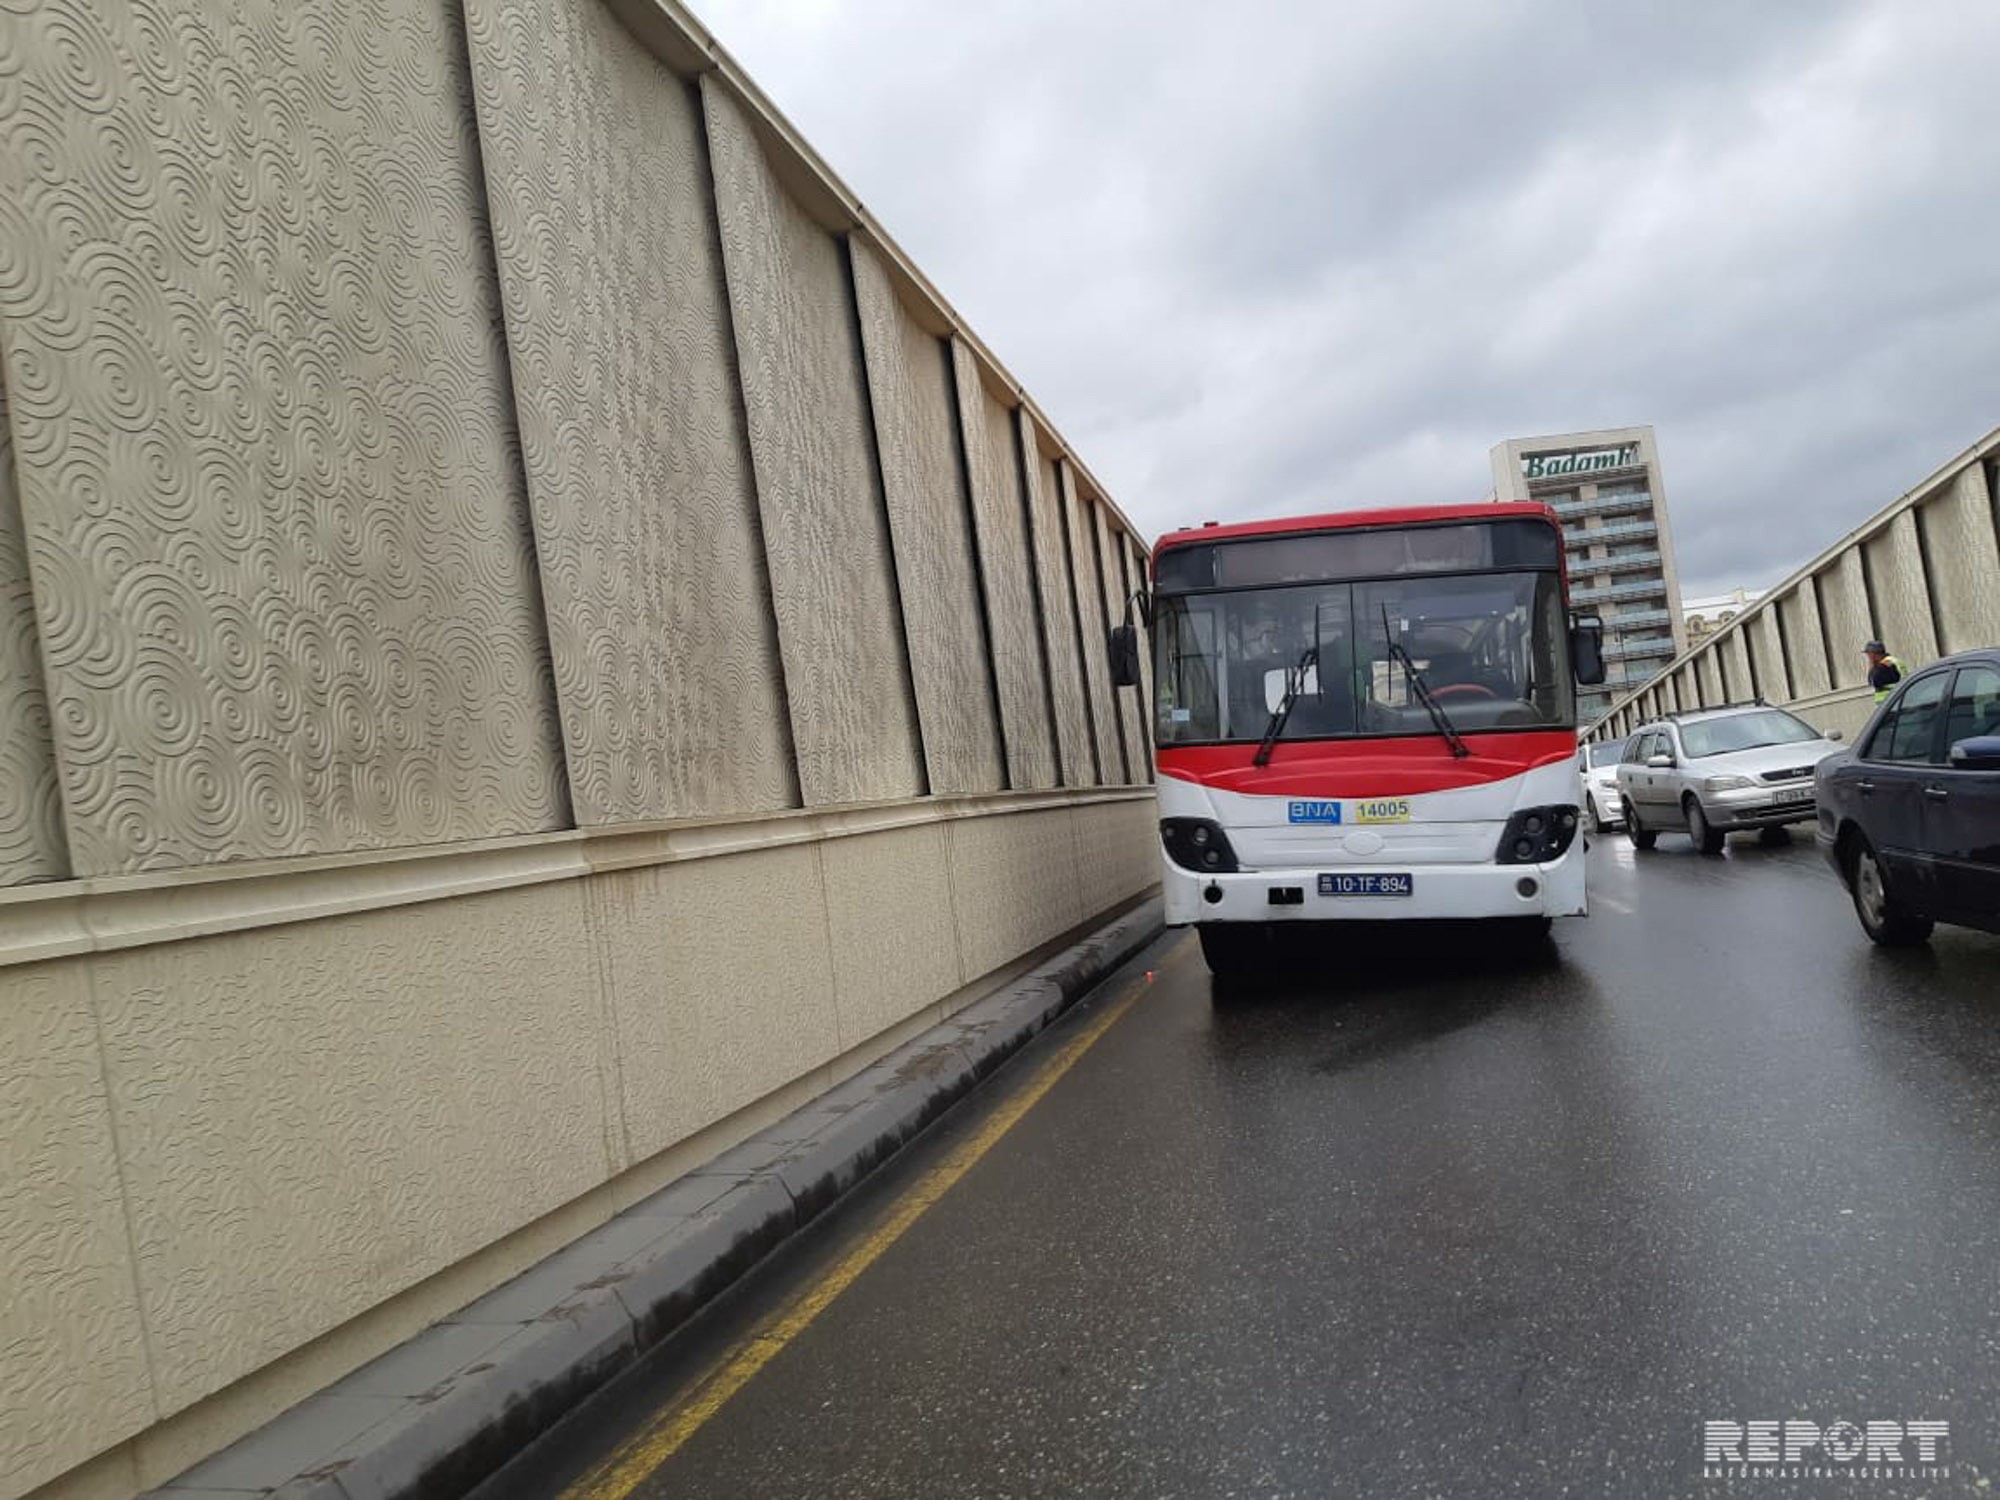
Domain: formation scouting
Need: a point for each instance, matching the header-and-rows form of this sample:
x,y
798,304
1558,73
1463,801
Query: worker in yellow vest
x,y
1884,671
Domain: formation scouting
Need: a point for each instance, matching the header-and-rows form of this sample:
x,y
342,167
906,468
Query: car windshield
x,y
1491,647
1750,731
1606,754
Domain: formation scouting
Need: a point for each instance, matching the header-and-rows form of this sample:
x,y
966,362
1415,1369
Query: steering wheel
x,y
1471,688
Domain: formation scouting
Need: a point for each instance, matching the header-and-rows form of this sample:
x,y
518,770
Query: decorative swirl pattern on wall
x,y
31,836
911,387
1058,618
1126,710
659,610
1079,515
1140,707
282,561
1001,524
853,722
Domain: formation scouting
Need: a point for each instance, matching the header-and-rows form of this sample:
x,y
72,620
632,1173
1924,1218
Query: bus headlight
x,y
1535,835
1198,844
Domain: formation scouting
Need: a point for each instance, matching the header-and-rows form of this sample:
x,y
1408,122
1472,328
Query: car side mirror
x,y
1836,735
1659,762
1124,656
1980,753
1586,649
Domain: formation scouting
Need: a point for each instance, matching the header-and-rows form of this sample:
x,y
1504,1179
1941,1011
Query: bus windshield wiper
x,y
1423,691
1308,661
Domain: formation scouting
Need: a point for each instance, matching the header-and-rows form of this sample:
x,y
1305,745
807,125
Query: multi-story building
x,y
1608,489
1706,616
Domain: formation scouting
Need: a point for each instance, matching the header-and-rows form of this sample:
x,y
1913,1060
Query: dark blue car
x,y
1910,816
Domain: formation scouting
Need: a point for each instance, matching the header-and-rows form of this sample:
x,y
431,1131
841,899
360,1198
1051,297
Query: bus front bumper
x,y
1439,892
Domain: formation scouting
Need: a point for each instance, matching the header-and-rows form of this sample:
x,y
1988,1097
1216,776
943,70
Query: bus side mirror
x,y
1124,656
1586,649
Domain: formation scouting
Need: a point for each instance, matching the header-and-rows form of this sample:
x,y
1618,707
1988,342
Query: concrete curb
x,y
432,1418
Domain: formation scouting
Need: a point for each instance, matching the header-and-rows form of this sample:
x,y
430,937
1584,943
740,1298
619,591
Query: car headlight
x,y
1727,783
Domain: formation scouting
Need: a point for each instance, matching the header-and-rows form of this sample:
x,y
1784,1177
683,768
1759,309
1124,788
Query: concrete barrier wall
x,y
1923,576
531,642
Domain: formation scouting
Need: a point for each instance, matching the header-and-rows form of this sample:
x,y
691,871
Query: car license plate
x,y
1367,885
1793,794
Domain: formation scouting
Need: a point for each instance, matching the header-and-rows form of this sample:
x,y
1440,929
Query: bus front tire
x,y
1232,950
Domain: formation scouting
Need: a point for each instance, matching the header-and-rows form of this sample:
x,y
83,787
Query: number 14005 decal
x,y
1383,810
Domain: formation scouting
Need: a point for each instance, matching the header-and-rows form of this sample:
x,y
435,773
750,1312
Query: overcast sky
x,y
1267,257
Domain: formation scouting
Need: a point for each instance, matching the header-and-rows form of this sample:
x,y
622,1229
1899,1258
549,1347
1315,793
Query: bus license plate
x,y
1367,885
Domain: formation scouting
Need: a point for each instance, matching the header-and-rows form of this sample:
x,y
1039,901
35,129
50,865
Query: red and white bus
x,y
1365,715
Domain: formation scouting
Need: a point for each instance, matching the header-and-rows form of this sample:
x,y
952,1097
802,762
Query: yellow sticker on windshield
x,y
1383,810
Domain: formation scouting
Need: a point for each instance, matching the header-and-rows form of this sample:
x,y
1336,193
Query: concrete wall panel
x,y
1117,847
1138,577
72,1344
1734,654
659,610
1015,884
1124,702
1007,567
883,974
31,833
917,434
1089,582
1710,691
1965,562
283,570
1805,641
826,536
1843,597
1772,678
1902,595
1058,612
314,1117
707,1022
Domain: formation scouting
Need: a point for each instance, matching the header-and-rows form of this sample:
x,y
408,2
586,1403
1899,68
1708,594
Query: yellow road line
x,y
635,1460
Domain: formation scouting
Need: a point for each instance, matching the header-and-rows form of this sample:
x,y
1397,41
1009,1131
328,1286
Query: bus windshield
x,y
1491,647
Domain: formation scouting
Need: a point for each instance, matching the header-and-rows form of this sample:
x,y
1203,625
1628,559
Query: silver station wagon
x,y
1713,771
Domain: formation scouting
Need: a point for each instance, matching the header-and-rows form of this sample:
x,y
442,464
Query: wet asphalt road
x,y
1430,1225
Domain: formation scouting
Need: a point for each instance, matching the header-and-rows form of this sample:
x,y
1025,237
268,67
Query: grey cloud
x,y
1292,256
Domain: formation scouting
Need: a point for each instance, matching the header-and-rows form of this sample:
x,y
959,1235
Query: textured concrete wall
x,y
1734,654
659,608
511,587
1843,602
223,1147
284,577
1089,581
1923,575
31,836
1964,560
825,525
993,466
1902,609
916,422
1805,638
1774,679
1058,611
1117,593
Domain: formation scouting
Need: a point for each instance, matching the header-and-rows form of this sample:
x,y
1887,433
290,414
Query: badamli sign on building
x,y
1549,465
